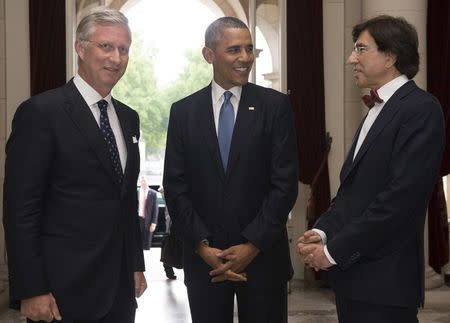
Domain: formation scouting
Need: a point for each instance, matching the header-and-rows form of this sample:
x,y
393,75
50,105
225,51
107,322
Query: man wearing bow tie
x,y
230,180
71,218
371,238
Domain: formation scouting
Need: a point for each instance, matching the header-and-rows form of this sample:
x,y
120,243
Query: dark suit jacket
x,y
375,224
248,202
69,225
150,217
151,209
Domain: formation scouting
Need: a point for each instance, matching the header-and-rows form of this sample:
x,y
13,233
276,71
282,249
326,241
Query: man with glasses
x,y
230,180
71,216
371,238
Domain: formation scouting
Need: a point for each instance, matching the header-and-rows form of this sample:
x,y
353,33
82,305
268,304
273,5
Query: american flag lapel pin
x,y
251,108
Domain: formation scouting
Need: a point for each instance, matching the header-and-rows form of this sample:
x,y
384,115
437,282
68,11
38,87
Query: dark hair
x,y
215,30
396,36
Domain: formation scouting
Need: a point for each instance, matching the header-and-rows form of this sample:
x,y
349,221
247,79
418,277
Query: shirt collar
x,y
88,93
387,90
217,92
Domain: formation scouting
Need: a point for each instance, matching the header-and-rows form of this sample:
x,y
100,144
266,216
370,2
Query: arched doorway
x,y
167,42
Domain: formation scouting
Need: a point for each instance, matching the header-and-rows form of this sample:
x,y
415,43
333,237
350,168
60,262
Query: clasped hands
x,y
228,264
311,249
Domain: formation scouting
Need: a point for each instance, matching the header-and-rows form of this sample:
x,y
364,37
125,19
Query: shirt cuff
x,y
322,234
327,254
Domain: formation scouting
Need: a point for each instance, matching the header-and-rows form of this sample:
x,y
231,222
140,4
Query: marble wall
x,y
14,88
3,122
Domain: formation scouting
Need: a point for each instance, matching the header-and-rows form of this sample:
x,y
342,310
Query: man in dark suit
x,y
371,237
229,186
148,212
70,202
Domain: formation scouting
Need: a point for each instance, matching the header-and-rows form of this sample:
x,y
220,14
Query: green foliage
x,y
196,75
138,88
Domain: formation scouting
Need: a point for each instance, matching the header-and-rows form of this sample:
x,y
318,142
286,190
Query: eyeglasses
x,y
108,48
360,49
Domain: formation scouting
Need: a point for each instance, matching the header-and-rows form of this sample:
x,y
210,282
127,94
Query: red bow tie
x,y
371,99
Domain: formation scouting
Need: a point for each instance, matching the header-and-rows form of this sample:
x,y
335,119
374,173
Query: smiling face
x,y
103,59
371,67
232,57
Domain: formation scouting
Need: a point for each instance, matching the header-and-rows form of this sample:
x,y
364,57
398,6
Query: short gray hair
x,y
215,30
101,16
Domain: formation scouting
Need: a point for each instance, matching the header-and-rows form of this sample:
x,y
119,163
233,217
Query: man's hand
x,y
311,249
152,227
210,256
237,258
40,308
314,256
230,275
309,236
140,284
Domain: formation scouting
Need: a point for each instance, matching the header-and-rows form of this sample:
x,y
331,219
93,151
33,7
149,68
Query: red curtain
x,y
438,83
47,44
306,89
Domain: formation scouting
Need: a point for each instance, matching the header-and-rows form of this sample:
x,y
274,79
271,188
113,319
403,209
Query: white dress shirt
x,y
218,98
143,193
91,97
385,92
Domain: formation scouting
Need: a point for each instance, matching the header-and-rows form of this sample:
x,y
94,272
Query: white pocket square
x,y
135,141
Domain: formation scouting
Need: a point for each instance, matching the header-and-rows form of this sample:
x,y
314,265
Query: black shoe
x,y
170,274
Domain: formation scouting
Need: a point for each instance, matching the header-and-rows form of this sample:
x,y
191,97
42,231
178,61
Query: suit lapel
x,y
384,118
82,116
349,159
208,127
242,128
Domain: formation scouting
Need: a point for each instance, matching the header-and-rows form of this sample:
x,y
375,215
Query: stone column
x,y
354,110
296,225
3,273
252,27
14,88
334,55
71,62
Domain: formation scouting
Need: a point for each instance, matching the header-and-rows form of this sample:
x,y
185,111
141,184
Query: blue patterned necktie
x,y
108,134
226,124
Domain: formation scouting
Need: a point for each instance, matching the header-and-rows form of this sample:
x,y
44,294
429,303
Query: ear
x,y
80,49
391,59
208,54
